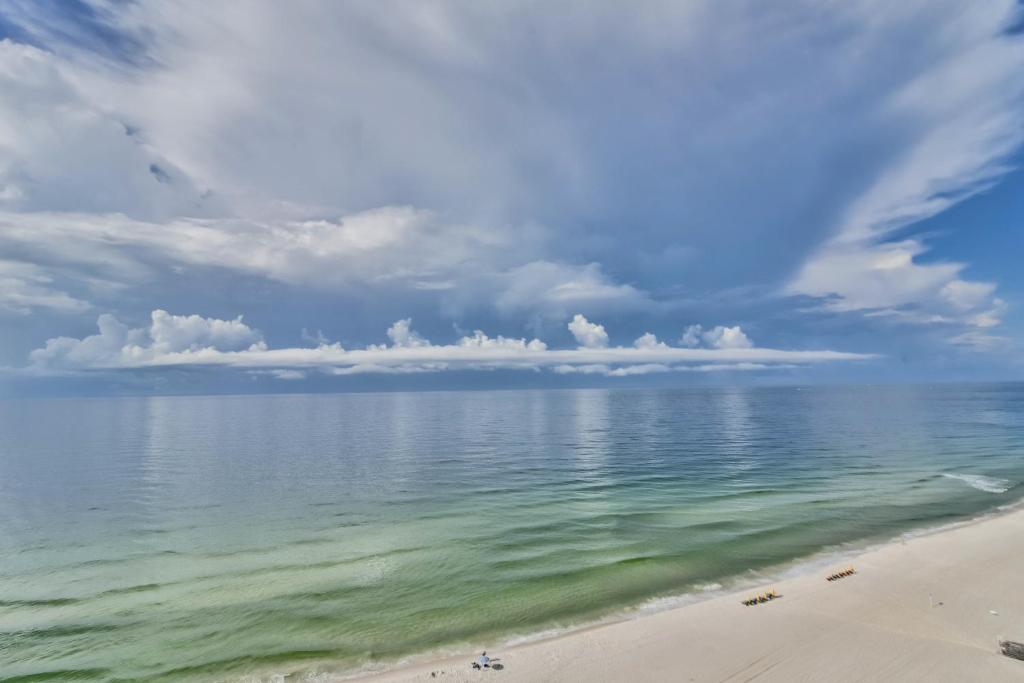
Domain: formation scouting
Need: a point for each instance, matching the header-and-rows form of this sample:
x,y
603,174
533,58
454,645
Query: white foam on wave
x,y
696,594
981,482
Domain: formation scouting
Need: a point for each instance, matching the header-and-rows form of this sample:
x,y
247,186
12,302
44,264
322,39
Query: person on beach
x,y
483,661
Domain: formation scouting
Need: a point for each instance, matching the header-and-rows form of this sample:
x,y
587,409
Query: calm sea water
x,y
215,538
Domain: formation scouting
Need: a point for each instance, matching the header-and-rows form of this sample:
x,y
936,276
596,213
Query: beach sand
x,y
876,625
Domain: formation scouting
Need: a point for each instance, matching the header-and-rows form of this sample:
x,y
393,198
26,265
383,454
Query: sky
x,y
311,196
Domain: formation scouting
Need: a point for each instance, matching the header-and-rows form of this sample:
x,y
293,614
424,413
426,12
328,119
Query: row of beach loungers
x,y
849,571
763,597
772,594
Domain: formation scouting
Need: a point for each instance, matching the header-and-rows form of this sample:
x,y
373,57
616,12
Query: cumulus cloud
x,y
728,338
175,333
588,335
118,346
401,335
480,340
192,340
105,348
648,341
718,337
692,336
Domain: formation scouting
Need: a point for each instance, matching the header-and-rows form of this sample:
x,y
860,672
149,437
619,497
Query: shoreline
x,y
641,641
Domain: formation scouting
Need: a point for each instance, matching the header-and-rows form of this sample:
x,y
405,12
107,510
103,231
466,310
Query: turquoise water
x,y
215,538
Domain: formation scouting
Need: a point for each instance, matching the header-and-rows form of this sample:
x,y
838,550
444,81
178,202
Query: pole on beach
x,y
931,603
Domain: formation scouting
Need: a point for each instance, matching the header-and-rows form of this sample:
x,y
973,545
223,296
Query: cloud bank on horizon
x,y
318,166
179,340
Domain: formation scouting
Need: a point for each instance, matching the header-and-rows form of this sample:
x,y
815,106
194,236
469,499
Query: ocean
x,y
235,538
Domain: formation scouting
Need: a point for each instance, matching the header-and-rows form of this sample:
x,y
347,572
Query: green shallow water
x,y
230,538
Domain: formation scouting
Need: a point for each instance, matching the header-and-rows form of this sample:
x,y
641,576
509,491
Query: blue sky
x,y
324,196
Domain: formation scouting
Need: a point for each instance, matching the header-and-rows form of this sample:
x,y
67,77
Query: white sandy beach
x,y
876,625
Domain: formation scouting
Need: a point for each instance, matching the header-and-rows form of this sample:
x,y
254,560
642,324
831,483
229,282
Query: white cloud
x,y
24,287
640,369
289,374
507,188
967,106
318,338
692,336
648,341
885,281
990,317
395,244
378,369
556,289
481,341
97,350
282,374
979,340
967,113
652,368
728,338
61,149
588,369
718,337
172,340
175,333
402,335
965,296
873,276
388,247
588,335
118,346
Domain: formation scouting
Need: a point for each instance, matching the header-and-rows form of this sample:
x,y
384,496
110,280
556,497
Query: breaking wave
x,y
982,483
